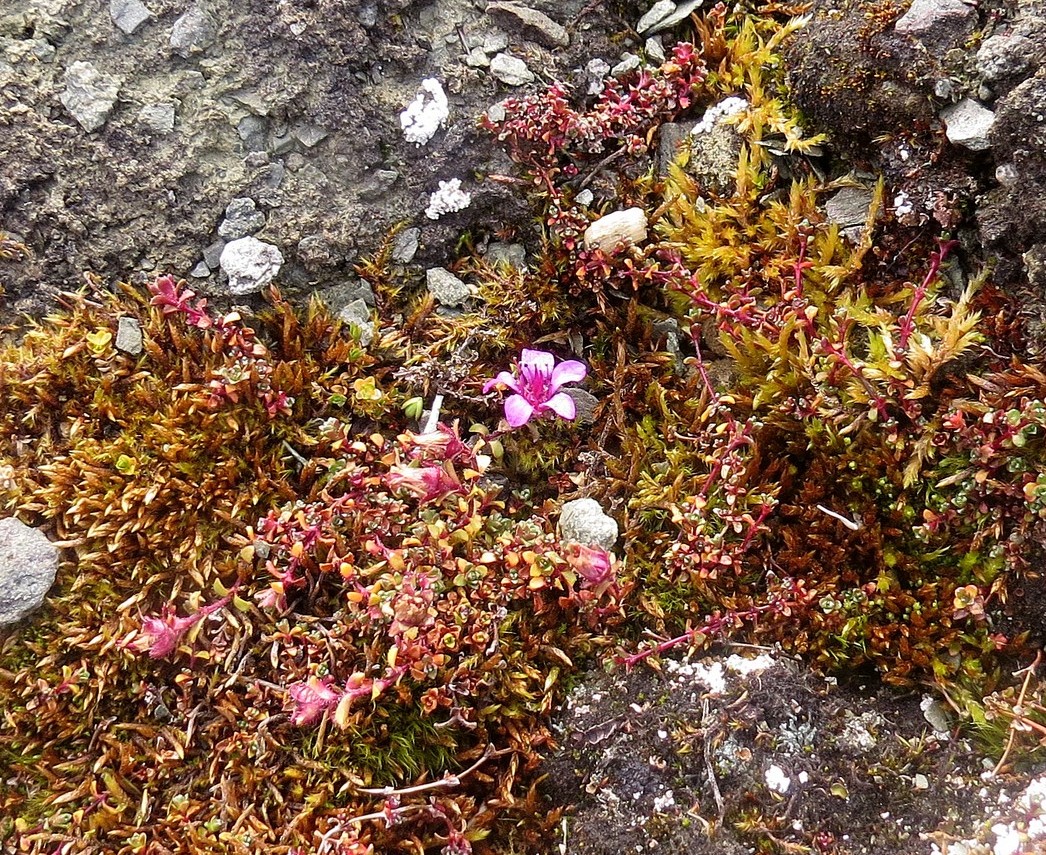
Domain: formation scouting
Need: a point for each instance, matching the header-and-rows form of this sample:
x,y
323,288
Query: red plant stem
x,y
906,329
714,624
753,529
800,265
840,356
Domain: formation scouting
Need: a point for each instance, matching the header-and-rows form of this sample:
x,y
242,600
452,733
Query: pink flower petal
x,y
505,379
537,360
518,410
570,371
562,405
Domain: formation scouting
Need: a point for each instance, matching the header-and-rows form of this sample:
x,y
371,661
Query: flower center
x,y
537,382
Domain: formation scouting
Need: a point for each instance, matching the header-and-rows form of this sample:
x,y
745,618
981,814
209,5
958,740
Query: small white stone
x,y
250,264
583,521
619,229
777,780
511,70
968,124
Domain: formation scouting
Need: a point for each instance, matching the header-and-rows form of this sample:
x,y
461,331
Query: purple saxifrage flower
x,y
537,387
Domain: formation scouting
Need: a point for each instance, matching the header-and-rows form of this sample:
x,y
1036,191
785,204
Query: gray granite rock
x,y
357,315
405,246
446,287
583,521
129,336
656,14
337,297
28,564
128,15
849,207
510,70
531,23
1005,56
655,50
242,218
250,264
681,13
193,32
629,62
89,95
968,124
212,255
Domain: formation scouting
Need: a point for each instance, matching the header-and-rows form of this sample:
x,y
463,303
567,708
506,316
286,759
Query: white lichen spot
x,y
426,114
777,780
662,804
449,198
723,110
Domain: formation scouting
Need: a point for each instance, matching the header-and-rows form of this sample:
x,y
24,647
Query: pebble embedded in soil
x,y
89,95
447,288
250,264
968,124
129,15
511,70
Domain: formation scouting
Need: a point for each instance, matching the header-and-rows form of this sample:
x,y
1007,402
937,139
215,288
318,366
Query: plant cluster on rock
x,y
295,620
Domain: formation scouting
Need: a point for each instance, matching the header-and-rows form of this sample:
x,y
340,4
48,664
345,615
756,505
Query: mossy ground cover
x,y
291,620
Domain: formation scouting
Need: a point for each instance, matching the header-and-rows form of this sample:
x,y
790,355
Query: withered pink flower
x,y
592,564
428,483
311,699
537,387
440,444
161,635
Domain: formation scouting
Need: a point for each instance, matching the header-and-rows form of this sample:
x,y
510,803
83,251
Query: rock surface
x,y
968,124
511,70
28,564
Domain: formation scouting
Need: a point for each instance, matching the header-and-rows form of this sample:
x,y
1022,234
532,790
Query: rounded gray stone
x,y
28,564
